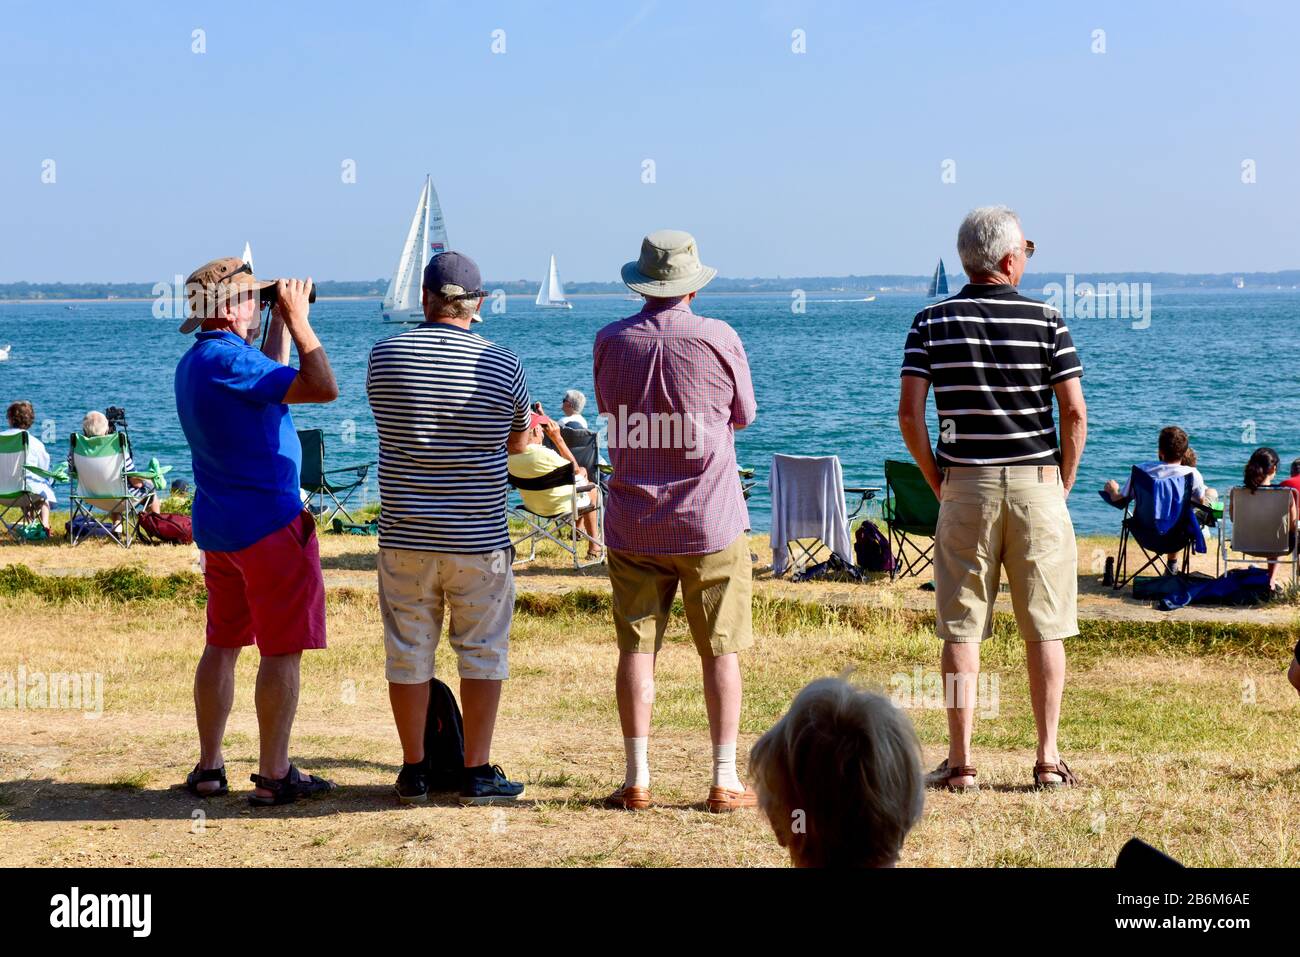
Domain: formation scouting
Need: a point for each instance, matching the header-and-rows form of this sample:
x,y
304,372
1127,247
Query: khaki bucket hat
x,y
669,266
215,282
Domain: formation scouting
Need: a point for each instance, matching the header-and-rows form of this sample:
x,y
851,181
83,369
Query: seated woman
x,y
96,423
538,461
21,417
1174,457
1260,472
839,777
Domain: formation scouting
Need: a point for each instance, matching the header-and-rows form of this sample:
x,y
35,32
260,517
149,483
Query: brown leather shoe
x,y
629,798
722,800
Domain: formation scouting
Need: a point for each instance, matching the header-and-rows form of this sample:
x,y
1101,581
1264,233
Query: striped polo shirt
x,y
444,401
992,357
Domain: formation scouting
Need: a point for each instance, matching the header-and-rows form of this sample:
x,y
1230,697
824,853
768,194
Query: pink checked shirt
x,y
672,388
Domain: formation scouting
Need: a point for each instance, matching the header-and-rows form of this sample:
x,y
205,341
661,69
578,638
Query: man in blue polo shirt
x,y
261,563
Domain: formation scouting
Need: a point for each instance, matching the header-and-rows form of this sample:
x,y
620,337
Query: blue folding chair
x,y
1160,516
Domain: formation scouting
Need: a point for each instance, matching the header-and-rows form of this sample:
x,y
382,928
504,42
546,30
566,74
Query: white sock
x,y
724,767
637,751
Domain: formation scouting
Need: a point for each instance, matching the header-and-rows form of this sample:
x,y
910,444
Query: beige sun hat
x,y
669,266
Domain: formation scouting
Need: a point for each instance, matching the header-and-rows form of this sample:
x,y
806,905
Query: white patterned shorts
x,y
478,590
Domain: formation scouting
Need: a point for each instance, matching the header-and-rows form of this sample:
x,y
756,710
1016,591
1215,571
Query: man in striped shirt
x,y
448,405
995,360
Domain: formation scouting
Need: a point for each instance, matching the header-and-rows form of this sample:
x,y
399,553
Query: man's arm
x,y
552,431
1074,427
276,346
911,421
744,407
315,380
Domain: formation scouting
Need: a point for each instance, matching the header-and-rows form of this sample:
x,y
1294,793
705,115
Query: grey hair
x,y
576,399
94,423
846,763
987,236
446,307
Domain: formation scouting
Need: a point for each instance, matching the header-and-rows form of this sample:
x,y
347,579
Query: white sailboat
x,y
551,293
425,239
248,255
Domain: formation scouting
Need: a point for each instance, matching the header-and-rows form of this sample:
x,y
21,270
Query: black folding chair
x,y
555,527
330,488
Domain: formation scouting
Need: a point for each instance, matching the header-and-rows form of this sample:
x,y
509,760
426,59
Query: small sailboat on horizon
x,y
551,293
938,282
426,237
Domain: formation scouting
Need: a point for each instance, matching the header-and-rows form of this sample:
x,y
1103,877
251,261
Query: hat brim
x,y
193,322
637,281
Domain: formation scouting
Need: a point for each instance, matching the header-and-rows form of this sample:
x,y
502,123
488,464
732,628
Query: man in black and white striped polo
x,y
996,359
448,405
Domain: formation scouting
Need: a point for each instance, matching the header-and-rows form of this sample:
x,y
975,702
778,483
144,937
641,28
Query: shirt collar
x,y
215,334
658,308
983,290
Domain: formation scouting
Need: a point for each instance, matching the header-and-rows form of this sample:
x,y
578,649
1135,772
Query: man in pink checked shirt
x,y
673,388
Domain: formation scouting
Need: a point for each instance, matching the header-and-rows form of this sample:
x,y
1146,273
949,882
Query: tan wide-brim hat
x,y
212,284
669,266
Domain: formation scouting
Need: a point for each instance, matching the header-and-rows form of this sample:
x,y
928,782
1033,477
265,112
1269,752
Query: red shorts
x,y
270,594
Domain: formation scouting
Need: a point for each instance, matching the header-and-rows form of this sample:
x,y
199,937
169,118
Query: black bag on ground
x,y
872,549
444,738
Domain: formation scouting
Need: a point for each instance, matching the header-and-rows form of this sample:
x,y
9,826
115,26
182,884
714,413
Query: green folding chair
x,y
20,507
331,489
102,502
910,512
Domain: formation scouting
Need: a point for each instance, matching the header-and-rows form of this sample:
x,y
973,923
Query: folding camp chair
x,y
1160,516
327,485
1261,527
100,484
551,526
808,512
20,507
910,511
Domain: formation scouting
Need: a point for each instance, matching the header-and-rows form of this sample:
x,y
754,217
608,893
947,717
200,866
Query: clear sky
x,y
821,163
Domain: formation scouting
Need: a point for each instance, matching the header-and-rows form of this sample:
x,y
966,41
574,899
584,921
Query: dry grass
x,y
1183,732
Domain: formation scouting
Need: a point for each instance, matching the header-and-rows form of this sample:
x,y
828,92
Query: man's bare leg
x,y
1046,661
277,704
960,663
479,698
410,705
214,695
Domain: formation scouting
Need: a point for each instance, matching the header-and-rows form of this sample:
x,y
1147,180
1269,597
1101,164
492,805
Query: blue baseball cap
x,y
454,269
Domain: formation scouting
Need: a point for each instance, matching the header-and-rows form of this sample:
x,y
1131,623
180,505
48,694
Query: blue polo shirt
x,y
243,446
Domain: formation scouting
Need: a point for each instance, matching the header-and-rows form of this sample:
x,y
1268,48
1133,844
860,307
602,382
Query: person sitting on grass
x,y
1260,472
839,777
1174,458
538,461
95,423
21,417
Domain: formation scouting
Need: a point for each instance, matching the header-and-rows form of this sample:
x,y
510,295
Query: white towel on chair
x,y
807,502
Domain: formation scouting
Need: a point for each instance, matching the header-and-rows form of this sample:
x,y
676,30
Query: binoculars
x,y
271,295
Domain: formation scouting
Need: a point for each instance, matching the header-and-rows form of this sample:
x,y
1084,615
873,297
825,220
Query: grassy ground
x,y
1182,729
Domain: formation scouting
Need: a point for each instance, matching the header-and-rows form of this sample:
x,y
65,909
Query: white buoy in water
x,y
4,352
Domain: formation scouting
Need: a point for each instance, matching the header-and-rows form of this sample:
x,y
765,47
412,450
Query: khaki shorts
x,y
716,591
1010,519
415,585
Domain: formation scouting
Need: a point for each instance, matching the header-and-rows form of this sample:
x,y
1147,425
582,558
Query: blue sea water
x,y
1220,363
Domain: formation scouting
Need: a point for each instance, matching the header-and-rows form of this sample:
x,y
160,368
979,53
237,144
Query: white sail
x,y
248,255
426,237
551,292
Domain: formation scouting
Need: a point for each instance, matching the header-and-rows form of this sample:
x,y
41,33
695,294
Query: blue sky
x,y
822,163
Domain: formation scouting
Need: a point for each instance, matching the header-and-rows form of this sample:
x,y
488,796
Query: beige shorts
x,y
479,590
1013,520
717,592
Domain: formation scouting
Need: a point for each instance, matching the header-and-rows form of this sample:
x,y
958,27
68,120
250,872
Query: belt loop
x,y
1040,475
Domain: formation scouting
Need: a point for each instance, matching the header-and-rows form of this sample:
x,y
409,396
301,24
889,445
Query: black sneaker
x,y
412,785
488,785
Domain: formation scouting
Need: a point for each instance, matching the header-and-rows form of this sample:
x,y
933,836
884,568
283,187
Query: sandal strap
x,y
203,775
1058,767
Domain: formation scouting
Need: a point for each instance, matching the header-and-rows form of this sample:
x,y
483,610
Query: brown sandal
x,y
1068,780
941,777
